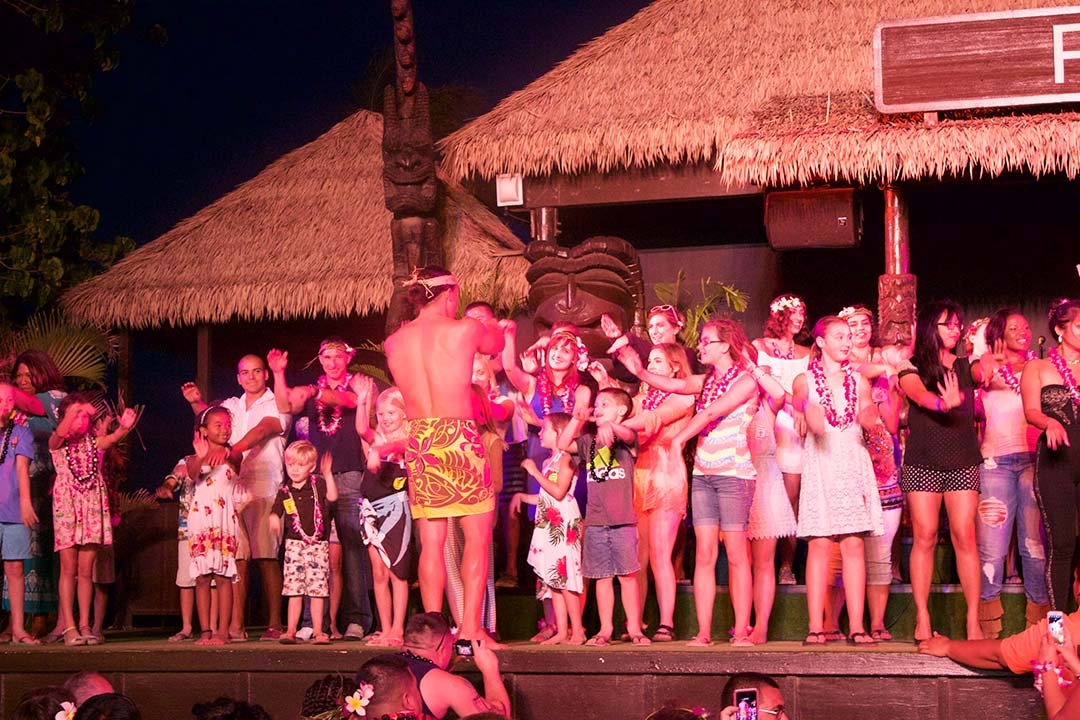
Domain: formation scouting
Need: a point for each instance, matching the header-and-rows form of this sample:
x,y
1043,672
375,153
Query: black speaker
x,y
803,219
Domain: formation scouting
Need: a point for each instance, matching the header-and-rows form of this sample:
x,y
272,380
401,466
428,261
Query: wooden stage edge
x,y
620,681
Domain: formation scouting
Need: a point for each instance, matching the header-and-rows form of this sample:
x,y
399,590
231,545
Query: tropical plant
x,y
81,352
716,298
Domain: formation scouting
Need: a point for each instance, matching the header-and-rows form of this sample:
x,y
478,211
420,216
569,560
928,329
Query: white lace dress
x,y
839,494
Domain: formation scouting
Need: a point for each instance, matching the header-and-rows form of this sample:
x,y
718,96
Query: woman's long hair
x,y
928,345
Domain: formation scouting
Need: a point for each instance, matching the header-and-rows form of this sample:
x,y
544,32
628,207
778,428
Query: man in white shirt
x,y
258,431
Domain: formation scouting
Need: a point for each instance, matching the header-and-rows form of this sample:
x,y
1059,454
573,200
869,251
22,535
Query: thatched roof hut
x,y
768,92
307,236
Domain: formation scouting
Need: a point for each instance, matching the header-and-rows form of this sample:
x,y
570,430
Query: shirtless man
x,y
431,359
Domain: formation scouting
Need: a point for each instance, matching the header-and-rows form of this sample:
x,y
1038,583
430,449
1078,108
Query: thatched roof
x,y
771,92
307,236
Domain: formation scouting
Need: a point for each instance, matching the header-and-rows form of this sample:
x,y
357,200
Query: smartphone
x,y
1055,623
746,704
463,648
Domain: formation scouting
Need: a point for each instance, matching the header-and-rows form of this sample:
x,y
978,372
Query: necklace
x,y
1062,366
1011,379
6,442
711,389
82,459
596,462
298,527
654,398
329,422
825,392
565,392
414,656
789,355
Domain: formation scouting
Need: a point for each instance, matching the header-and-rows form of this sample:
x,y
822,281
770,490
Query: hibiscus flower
x,y
553,516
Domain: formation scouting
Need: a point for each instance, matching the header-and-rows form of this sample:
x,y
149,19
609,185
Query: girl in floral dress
x,y
81,520
555,551
212,523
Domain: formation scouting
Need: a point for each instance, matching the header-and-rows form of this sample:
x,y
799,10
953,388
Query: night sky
x,y
239,83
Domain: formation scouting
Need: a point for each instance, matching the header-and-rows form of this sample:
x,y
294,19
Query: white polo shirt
x,y
262,467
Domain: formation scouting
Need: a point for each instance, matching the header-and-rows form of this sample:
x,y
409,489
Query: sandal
x,y
88,636
815,638
71,637
546,633
598,641
25,640
860,638
180,637
835,636
664,633
881,635
321,639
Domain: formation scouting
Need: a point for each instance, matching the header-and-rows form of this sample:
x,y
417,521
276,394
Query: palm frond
x,y
81,352
715,298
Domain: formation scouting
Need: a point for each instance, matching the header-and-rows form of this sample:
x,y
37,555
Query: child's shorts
x,y
610,551
307,568
183,565
14,541
722,500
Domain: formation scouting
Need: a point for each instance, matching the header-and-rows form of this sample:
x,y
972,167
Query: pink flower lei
x,y
712,388
298,527
654,398
1009,377
851,394
329,422
1066,374
565,392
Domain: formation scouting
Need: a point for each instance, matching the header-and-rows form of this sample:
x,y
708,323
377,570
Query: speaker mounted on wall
x,y
803,219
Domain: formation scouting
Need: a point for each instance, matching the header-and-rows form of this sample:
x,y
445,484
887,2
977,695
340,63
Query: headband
x,y
429,283
850,311
337,345
784,302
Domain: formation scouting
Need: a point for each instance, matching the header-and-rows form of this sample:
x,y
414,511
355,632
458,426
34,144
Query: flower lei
x,y
789,355
564,392
356,704
851,396
298,527
66,712
82,459
1062,367
712,388
1009,377
6,442
329,423
1040,668
654,398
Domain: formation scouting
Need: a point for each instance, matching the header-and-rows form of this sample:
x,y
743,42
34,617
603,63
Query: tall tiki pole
x,y
408,167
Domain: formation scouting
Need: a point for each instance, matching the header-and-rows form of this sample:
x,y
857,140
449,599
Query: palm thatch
x,y
770,92
307,236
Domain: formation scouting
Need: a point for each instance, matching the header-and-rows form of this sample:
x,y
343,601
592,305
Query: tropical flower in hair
x,y
356,704
784,302
67,711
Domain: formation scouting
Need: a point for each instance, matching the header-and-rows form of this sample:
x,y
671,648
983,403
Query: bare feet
x,y
699,641
209,638
923,629
557,639
759,636
577,638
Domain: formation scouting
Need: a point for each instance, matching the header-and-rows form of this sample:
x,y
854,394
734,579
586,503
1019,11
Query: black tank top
x,y
1058,403
945,441
421,667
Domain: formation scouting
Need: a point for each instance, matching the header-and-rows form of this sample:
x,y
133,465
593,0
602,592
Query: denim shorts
x,y
609,551
722,500
14,541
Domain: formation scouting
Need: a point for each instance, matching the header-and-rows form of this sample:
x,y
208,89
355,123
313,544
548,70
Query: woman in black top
x,y
941,461
1049,389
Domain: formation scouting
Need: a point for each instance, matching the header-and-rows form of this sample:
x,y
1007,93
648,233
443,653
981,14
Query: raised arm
x,y
124,424
648,423
193,396
913,388
287,401
682,386
326,467
27,403
740,392
364,387
520,379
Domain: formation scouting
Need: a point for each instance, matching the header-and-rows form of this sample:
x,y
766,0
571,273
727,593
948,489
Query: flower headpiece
x,y
579,348
356,704
429,283
784,302
66,712
334,344
1055,306
851,311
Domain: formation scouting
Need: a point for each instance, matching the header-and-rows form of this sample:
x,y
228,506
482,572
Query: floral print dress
x,y
80,499
555,550
212,524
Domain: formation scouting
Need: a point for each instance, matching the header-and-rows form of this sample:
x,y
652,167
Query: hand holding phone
x,y
1055,626
746,704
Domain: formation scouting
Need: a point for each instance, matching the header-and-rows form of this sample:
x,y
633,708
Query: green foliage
x,y
716,298
47,241
80,352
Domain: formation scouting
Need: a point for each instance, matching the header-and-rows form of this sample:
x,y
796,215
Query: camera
x,y
463,648
1055,624
746,704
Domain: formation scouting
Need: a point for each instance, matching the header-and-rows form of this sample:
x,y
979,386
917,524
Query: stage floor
x,y
836,682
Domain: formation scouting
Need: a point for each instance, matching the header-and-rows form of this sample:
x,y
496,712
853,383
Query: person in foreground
x,y
770,701
428,650
431,359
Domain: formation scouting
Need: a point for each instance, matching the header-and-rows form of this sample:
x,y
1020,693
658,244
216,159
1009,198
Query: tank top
x,y
944,441
1057,403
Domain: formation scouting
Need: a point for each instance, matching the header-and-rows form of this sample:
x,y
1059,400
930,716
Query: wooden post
x,y
896,288
202,361
544,223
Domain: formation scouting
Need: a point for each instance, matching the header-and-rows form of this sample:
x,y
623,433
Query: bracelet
x,y
940,405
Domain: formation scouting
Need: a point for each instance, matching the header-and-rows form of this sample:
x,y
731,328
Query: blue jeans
x,y
1007,498
355,564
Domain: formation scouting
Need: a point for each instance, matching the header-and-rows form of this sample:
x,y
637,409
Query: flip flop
x,y
321,639
25,640
835,636
180,637
239,637
860,638
598,641
815,638
288,640
664,633
881,635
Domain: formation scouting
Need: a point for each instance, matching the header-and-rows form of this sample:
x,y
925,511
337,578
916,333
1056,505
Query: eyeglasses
x,y
703,343
777,713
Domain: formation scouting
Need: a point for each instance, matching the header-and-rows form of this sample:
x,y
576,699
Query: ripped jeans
x,y
1007,498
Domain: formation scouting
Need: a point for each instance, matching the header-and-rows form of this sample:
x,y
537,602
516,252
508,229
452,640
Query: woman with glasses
x,y
786,359
942,458
722,487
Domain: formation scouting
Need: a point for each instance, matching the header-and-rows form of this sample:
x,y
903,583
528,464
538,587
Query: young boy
x,y
17,515
610,549
305,502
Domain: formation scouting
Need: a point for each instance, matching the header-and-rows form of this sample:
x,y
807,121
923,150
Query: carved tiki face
x,y
408,154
